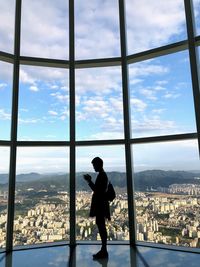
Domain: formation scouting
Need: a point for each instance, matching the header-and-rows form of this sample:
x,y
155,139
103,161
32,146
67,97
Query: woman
x,y
99,205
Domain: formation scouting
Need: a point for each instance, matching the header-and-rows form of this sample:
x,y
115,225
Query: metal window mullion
x,y
127,124
194,62
13,147
72,125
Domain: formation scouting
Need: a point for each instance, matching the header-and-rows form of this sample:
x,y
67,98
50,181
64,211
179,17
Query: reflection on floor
x,y
81,256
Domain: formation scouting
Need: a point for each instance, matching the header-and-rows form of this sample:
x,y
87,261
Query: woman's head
x,y
97,164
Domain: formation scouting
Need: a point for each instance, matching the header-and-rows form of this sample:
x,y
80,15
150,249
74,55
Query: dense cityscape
x,y
166,215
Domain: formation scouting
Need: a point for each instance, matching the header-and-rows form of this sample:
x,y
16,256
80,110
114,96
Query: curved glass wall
x,y
43,104
4,176
46,35
6,73
114,165
153,25
7,17
116,79
161,96
41,195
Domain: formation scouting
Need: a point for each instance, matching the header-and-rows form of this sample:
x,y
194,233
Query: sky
x,y
160,89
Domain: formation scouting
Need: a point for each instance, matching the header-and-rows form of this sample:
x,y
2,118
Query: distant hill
x,y
142,180
156,178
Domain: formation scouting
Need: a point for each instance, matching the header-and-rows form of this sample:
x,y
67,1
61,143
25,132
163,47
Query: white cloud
x,y
106,112
25,77
106,135
3,85
29,121
134,81
52,77
100,108
154,24
63,118
53,113
158,111
159,88
144,69
45,36
97,26
138,104
196,4
99,81
116,104
4,115
60,97
64,114
34,88
6,72
152,125
7,14
161,82
23,109
54,86
42,159
80,116
97,29
171,95
149,94
64,88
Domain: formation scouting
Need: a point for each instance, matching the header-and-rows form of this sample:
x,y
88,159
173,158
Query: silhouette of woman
x,y
99,204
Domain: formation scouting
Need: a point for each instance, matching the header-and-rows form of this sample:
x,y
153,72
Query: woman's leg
x,y
100,221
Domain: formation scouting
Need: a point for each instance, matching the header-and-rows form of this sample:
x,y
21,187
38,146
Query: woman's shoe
x,y
101,254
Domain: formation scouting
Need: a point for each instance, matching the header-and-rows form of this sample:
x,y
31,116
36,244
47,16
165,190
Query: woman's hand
x,y
87,177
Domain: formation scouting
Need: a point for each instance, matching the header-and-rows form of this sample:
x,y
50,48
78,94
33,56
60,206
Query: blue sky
x,y
160,89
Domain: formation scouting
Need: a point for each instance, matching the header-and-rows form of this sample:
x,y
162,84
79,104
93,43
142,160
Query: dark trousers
x,y
101,224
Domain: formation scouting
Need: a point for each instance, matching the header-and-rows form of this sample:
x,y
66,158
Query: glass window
x,y
7,18
43,104
161,96
4,172
96,29
196,4
6,70
99,108
153,24
45,29
42,195
167,189
114,166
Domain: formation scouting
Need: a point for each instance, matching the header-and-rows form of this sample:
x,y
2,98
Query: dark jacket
x,y
99,204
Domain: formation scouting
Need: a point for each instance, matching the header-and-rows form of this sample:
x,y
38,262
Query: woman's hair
x,y
98,161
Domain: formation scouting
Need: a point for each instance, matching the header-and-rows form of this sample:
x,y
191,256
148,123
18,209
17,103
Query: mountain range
x,y
142,180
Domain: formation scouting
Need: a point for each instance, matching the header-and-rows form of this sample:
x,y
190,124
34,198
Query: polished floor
x,y
81,256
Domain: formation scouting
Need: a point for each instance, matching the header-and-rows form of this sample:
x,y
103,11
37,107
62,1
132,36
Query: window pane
x,y
45,30
43,104
161,96
99,108
167,190
154,23
4,172
196,4
42,195
7,18
96,29
6,70
114,166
